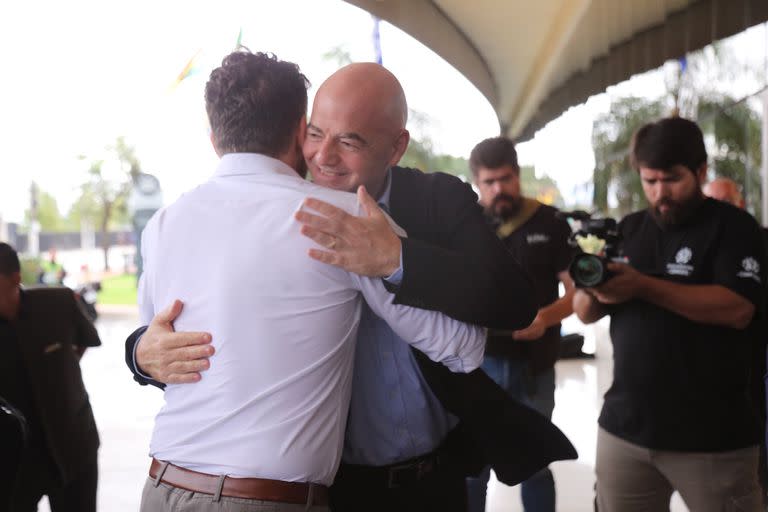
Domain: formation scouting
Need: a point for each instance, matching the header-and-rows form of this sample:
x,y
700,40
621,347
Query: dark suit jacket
x,y
455,264
12,438
452,262
49,325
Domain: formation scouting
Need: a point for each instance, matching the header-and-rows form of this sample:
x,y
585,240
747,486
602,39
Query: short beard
x,y
679,212
505,207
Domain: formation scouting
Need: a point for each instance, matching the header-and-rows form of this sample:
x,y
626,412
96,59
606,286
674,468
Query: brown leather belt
x,y
248,488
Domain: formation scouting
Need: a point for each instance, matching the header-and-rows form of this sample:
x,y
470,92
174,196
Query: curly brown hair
x,y
493,153
254,103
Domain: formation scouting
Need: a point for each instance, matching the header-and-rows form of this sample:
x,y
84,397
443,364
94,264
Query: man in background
x,y
43,335
680,313
725,189
523,361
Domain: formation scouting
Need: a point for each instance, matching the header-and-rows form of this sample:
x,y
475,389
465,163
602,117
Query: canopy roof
x,y
534,59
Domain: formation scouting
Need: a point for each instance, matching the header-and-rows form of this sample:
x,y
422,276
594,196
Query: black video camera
x,y
599,242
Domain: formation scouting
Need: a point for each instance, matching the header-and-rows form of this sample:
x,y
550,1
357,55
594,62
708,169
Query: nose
x,y
660,191
496,188
326,153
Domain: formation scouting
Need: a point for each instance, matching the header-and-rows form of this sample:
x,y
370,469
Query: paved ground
x,y
125,413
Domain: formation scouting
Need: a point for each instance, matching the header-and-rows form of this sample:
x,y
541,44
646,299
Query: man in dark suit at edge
x,y
43,334
414,431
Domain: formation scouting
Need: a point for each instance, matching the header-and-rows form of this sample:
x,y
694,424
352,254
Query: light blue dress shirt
x,y
393,414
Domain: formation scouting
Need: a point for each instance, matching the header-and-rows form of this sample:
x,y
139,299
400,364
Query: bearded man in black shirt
x,y
523,362
678,414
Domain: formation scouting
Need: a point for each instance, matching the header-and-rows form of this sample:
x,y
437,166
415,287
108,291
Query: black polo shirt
x,y
680,385
541,247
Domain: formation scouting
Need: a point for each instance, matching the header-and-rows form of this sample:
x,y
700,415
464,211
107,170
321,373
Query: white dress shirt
x,y
274,402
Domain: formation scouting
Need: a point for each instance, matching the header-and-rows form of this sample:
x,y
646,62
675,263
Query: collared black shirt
x,y
681,385
541,247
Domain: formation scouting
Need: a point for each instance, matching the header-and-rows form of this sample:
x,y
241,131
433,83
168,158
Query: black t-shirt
x,y
541,247
680,385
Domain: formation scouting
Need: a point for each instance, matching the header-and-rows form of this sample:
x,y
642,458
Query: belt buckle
x,y
420,469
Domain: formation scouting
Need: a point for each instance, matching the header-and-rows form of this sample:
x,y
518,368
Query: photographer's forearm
x,y
587,308
562,308
707,304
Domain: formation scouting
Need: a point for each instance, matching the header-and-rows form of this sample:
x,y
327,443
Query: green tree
x,y
48,215
733,128
103,196
338,54
737,153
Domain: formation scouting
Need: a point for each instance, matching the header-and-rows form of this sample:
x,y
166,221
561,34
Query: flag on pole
x,y
239,42
191,68
376,40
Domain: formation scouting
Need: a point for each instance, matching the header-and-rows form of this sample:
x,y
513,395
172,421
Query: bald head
x,y
370,89
724,189
357,128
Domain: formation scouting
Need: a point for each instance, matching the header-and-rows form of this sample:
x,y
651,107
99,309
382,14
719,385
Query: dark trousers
x,y
36,479
355,490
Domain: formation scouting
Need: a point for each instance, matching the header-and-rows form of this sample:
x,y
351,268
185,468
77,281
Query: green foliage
x,y
419,155
48,214
103,197
118,290
737,153
30,269
544,189
731,129
339,55
611,136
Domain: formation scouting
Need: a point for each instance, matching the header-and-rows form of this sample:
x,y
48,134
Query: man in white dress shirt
x,y
264,429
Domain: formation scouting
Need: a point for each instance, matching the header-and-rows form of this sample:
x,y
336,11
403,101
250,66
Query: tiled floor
x,y
125,413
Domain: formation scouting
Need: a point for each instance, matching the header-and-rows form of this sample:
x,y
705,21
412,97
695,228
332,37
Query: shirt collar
x,y
384,197
244,164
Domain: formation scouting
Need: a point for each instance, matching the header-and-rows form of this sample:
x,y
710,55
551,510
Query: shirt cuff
x,y
397,276
135,365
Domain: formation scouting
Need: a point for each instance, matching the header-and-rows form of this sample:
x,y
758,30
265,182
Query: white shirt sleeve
x,y
457,345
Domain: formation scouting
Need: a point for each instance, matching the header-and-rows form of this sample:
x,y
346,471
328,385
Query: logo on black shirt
x,y
751,269
681,266
537,238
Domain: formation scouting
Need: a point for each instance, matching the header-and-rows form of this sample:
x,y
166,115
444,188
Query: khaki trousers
x,y
631,478
166,498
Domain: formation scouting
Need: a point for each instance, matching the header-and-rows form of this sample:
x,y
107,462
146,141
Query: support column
x,y
764,160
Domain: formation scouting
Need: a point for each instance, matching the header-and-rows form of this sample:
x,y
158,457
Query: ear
x,y
401,144
213,143
16,278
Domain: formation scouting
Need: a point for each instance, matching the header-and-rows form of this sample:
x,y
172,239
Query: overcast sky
x,y
77,74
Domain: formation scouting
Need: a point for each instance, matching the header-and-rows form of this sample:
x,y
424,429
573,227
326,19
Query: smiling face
x,y
357,129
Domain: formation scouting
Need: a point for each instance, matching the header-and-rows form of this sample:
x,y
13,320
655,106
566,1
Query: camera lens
x,y
587,270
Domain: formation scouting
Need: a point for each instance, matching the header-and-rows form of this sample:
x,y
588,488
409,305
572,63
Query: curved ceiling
x,y
534,60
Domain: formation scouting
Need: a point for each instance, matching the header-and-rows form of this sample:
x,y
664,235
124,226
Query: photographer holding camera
x,y
678,414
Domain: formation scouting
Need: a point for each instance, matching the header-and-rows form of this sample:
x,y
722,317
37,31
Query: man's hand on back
x,y
173,357
364,245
